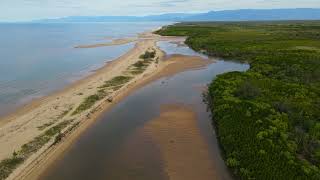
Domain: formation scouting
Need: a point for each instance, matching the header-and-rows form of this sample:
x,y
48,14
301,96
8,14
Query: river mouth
x,y
121,144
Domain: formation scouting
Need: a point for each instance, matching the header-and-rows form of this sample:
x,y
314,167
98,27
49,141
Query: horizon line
x,y
155,14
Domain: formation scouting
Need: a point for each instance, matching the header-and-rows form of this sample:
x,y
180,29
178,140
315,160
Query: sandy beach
x,y
40,116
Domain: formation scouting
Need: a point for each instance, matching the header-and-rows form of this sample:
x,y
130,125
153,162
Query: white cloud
x,y
15,10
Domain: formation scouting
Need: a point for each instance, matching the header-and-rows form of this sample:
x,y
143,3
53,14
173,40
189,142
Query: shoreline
x,y
34,103
165,67
114,42
47,160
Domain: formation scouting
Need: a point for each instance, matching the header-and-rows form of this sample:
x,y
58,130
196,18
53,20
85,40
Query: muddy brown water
x,y
112,149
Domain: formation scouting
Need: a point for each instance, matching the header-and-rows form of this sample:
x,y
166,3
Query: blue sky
x,y
21,10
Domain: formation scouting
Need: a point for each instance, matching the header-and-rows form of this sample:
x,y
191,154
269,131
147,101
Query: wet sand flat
x,y
183,149
139,158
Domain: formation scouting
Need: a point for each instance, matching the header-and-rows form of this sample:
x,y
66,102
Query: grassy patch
x,y
89,102
8,165
148,55
42,127
140,66
62,115
116,81
113,84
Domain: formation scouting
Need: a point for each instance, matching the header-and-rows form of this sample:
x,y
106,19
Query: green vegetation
x,y
140,66
44,126
116,81
114,84
8,165
268,118
148,55
89,102
62,115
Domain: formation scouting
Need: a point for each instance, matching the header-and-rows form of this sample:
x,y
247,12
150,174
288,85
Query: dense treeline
x,y
268,118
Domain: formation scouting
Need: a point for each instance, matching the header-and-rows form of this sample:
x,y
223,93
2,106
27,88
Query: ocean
x,y
37,59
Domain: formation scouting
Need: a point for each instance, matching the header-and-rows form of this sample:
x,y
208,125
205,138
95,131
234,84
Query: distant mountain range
x,y
226,15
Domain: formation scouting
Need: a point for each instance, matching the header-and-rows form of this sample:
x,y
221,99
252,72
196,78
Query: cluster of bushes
x,y
268,118
141,65
116,81
148,55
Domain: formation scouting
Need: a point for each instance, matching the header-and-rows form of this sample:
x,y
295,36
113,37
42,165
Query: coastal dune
x,y
62,109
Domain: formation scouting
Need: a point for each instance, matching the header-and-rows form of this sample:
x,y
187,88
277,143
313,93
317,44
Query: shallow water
x,y
102,152
37,59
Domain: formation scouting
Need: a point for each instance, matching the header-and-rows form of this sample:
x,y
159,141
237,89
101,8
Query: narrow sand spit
x,y
39,116
183,149
112,43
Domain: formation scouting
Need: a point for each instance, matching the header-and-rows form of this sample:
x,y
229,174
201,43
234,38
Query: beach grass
x,y
116,81
44,126
113,84
140,66
64,113
8,165
89,102
60,116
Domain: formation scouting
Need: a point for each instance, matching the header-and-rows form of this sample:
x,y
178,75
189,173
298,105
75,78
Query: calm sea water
x,y
37,59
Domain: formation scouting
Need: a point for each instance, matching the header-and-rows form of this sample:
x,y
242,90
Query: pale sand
x,y
21,127
112,43
183,149
144,36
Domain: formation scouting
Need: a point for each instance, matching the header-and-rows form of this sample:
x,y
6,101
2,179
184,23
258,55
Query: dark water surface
x,y
102,151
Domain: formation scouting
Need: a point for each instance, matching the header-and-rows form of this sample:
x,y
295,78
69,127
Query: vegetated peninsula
x,y
267,118
42,129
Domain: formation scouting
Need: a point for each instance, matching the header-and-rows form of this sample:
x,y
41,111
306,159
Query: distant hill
x,y
227,15
258,14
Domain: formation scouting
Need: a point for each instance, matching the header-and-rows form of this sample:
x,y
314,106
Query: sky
x,y
24,10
